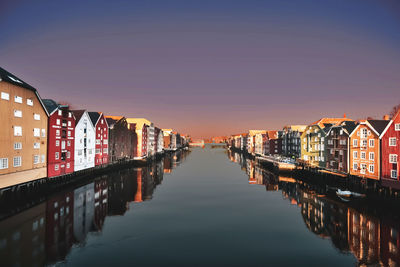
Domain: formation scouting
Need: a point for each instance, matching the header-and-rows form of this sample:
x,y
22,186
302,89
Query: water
x,y
201,208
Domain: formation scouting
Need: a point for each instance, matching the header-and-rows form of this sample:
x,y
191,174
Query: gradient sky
x,y
209,67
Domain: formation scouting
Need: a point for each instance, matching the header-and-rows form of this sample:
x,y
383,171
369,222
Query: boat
x,y
346,195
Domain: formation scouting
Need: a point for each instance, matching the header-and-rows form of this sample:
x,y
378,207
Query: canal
x,y
201,207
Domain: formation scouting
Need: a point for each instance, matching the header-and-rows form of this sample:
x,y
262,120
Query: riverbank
x,y
371,188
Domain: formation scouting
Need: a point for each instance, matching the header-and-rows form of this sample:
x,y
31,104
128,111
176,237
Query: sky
x,y
209,68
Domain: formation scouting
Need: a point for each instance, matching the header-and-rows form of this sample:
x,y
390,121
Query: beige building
x,y
23,132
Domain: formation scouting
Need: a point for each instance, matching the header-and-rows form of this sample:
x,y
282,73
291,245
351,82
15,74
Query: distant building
x,y
23,131
101,128
313,141
145,134
85,139
291,140
61,139
337,146
122,142
274,144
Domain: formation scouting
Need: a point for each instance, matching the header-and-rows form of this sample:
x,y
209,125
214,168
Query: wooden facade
x,y
23,131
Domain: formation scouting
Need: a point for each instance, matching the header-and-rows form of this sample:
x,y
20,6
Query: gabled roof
x,y
11,78
299,128
390,123
50,105
78,114
94,116
378,125
327,122
272,134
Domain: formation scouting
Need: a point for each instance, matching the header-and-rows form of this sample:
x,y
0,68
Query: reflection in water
x,y
44,233
373,239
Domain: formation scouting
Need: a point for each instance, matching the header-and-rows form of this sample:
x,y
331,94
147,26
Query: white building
x,y
85,141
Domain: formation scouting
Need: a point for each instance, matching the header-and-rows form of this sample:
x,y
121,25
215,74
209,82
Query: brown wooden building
x,y
23,132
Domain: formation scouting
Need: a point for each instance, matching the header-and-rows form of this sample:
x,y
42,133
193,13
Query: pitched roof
x,y
327,122
272,134
111,122
378,125
78,114
50,105
117,118
11,78
94,117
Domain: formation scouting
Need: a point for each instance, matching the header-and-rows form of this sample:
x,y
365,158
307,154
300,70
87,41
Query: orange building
x,y
23,132
364,152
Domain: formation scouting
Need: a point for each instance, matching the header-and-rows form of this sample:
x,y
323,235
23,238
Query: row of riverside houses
x,y
42,138
368,149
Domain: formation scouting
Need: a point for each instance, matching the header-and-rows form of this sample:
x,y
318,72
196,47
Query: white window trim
x,y
3,166
395,141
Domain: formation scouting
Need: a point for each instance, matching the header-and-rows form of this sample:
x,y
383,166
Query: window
x,y
17,131
68,165
364,143
371,142
371,156
59,112
105,150
105,141
355,142
68,143
393,158
342,141
17,145
363,167
56,167
69,133
69,115
43,132
371,168
36,132
17,161
58,121
57,142
3,163
36,145
68,154
393,174
29,102
392,141
364,133
97,151
397,127
363,155
36,117
43,158
36,159
355,154
102,121
17,113
341,152
69,124
97,141
57,155
5,96
18,99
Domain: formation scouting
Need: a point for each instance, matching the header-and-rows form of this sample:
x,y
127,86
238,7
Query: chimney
x,y
344,115
386,117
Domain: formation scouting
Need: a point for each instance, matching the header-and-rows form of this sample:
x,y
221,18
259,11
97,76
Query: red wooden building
x,y
390,151
101,148
61,139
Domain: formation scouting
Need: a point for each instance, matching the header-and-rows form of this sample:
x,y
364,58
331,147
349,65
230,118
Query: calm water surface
x,y
201,208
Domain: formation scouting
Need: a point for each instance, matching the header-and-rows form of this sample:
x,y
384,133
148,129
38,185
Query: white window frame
x,y
17,161
57,155
17,130
43,157
17,113
355,165
392,139
393,158
355,154
36,159
36,117
369,168
43,132
18,99
3,163
373,156
29,102
5,96
397,127
393,174
371,142
363,153
36,145
355,142
17,146
36,132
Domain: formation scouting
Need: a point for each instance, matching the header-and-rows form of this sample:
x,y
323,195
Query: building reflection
x,y
373,240
45,232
